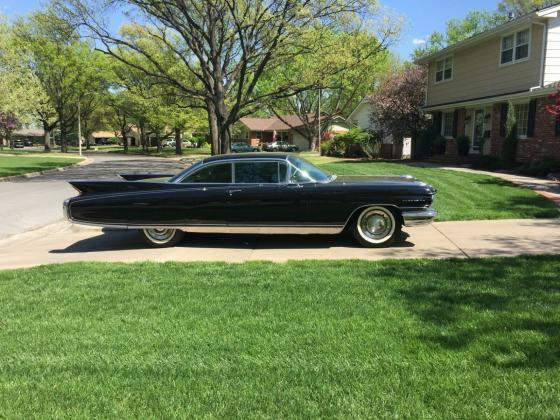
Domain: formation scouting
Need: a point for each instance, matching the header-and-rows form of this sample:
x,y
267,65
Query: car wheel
x,y
376,227
161,238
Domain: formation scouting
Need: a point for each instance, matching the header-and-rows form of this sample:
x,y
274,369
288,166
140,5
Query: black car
x,y
18,144
28,143
254,193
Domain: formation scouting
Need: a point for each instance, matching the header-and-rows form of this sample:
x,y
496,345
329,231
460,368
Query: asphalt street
x,y
32,203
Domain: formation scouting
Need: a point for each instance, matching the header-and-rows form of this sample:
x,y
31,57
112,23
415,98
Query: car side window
x,y
211,174
256,173
300,176
283,172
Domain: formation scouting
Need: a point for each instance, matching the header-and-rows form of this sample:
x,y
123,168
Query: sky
x,y
421,16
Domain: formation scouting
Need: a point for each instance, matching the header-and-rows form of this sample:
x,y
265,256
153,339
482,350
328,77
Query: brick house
x,y
471,84
257,131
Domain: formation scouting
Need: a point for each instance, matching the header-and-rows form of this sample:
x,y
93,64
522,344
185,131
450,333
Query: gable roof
x,y
538,14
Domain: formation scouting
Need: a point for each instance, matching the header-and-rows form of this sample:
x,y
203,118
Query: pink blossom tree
x,y
397,103
8,123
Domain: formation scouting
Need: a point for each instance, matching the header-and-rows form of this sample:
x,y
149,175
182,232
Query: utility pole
x,y
319,123
79,130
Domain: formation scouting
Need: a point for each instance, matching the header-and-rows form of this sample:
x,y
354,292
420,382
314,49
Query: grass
x,y
407,339
11,165
166,151
461,196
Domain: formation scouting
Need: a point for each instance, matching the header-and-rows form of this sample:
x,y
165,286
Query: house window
x,y
515,47
447,125
522,119
444,69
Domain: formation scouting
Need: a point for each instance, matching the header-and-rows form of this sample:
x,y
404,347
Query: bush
x,y
113,140
540,168
354,143
440,144
490,163
424,146
326,147
463,145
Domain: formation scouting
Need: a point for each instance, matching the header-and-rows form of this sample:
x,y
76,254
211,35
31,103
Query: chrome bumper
x,y
419,217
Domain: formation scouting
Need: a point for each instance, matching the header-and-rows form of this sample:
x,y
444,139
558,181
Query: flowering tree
x,y
8,123
553,105
397,103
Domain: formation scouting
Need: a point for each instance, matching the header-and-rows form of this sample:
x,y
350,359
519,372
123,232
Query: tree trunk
x,y
9,139
158,142
214,131
143,137
178,142
47,137
125,143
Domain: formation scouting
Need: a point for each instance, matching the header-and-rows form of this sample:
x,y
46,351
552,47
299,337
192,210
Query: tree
x,y
520,7
225,45
66,68
8,123
397,103
344,67
457,30
478,21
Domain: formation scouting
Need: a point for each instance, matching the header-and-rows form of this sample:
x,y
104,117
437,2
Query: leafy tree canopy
x,y
477,21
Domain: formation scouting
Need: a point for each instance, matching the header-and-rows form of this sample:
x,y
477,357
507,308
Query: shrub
x,y
113,140
463,145
440,144
354,143
509,146
424,146
540,168
326,147
487,162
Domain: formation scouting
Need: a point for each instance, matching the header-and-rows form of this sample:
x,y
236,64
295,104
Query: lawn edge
x,y
82,162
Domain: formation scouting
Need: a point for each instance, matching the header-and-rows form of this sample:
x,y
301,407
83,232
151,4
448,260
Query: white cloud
x,y
418,41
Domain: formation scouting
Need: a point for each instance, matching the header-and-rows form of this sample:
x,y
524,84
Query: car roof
x,y
257,155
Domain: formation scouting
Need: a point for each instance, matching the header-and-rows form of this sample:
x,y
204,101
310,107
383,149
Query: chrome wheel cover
x,y
160,236
376,225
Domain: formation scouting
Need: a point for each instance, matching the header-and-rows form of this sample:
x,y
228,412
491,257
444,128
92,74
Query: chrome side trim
x,y
419,218
252,229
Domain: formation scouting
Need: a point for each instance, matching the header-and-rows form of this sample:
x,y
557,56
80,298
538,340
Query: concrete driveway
x,y
32,203
62,242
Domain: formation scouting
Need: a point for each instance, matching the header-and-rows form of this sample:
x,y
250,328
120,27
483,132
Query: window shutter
x,y
557,126
503,119
455,123
532,117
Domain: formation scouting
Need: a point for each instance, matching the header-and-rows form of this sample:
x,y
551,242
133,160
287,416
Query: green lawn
x,y
167,151
461,196
400,339
21,164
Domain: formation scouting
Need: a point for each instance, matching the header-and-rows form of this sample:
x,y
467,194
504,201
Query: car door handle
x,y
231,192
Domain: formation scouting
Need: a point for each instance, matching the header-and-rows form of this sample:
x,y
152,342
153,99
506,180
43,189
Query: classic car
x,y
18,144
276,193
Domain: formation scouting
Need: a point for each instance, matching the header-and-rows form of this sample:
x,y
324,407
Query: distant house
x,y
256,131
361,118
37,135
471,84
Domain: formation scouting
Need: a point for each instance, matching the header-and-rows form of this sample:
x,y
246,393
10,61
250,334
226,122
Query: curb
x,y
86,161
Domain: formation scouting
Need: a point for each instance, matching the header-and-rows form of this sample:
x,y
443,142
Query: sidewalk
x,y
63,242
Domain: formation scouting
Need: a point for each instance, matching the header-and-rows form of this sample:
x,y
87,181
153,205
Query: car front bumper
x,y
419,217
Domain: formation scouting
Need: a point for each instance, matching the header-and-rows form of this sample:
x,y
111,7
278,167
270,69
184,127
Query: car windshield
x,y
304,171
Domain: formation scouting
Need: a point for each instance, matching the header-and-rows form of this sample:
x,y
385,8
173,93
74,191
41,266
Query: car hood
x,y
402,180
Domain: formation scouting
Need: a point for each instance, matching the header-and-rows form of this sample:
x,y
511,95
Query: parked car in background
x,y
18,144
242,148
28,143
262,193
171,143
280,146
